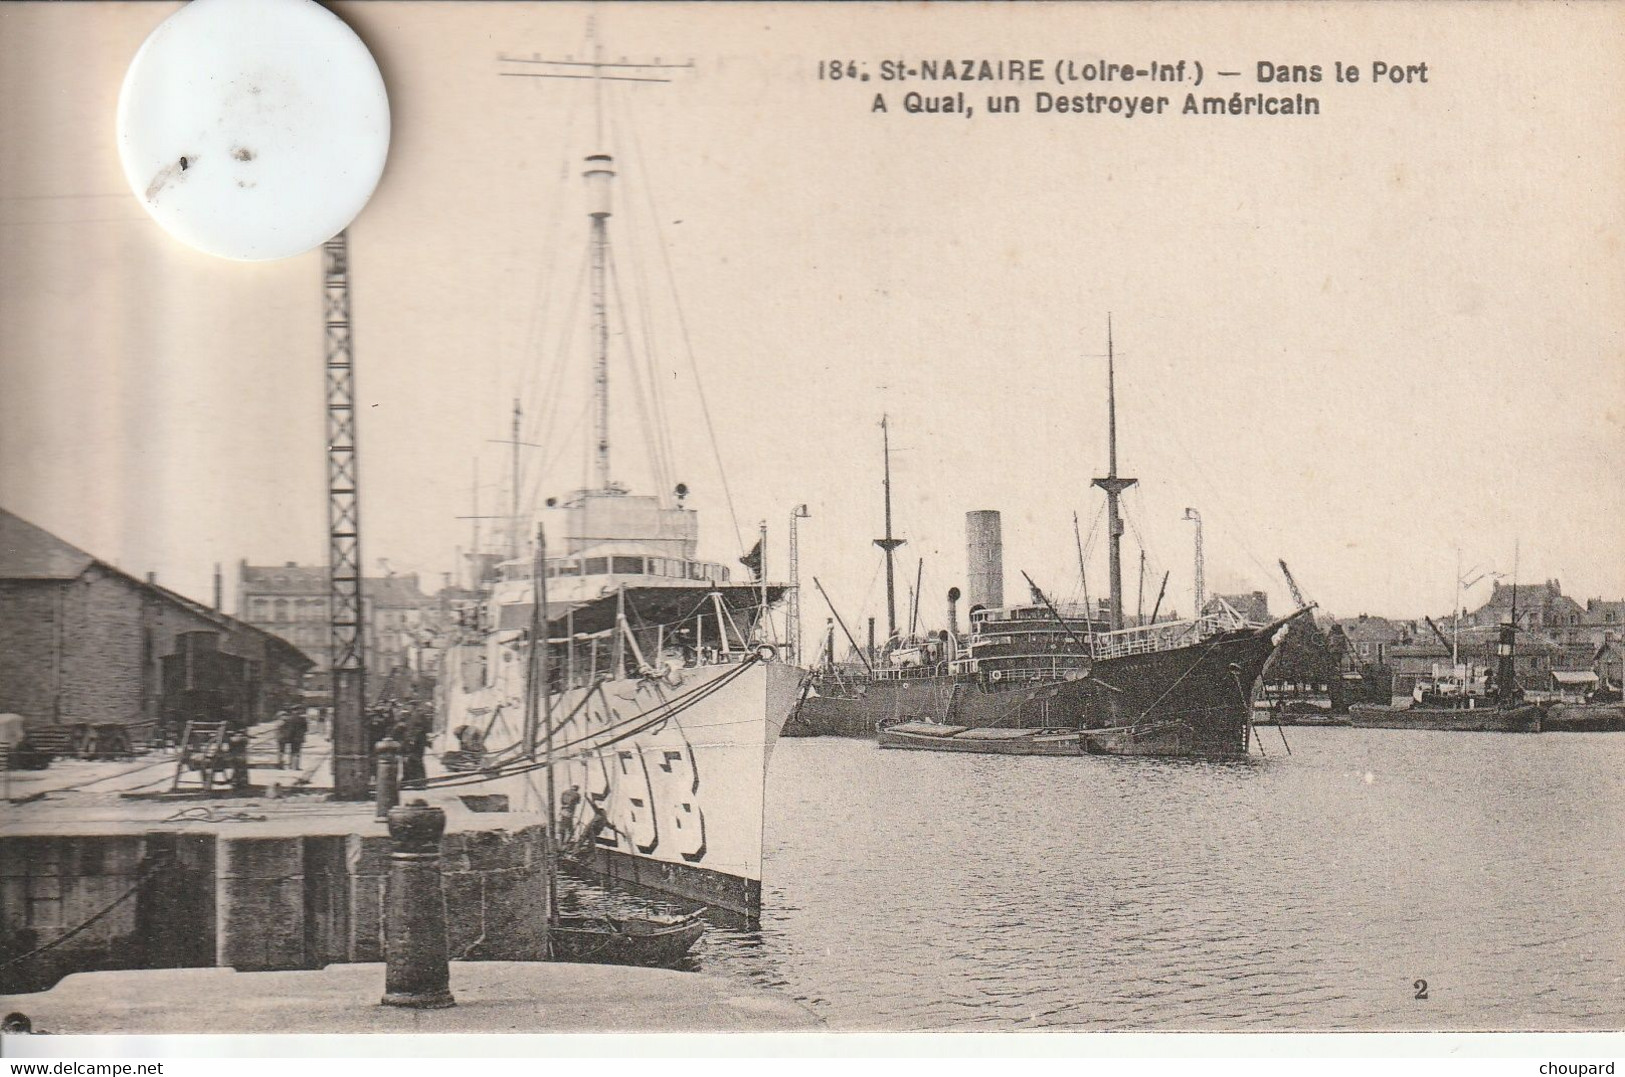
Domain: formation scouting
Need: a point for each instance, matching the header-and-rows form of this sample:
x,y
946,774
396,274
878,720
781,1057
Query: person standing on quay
x,y
414,742
291,738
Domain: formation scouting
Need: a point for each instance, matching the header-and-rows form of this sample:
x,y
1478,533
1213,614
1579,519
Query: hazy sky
x,y
1356,341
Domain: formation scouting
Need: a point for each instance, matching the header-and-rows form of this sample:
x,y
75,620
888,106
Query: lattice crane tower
x,y
345,609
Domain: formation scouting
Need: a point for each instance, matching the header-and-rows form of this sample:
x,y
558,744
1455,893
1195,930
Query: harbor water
x,y
1311,891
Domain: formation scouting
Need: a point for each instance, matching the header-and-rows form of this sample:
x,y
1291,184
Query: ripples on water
x,y
930,891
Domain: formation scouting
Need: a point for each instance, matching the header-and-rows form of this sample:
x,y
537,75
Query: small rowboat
x,y
606,940
1156,738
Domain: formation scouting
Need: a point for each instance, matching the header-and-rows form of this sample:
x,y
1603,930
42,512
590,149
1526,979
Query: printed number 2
x,y
1421,988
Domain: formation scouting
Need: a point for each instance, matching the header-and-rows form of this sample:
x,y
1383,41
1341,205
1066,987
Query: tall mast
x,y
599,173
792,627
544,688
1139,609
1506,673
889,544
1455,623
1083,576
474,556
513,490
1114,485
600,170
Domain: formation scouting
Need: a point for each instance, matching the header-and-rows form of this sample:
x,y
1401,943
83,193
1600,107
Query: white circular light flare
x,y
253,129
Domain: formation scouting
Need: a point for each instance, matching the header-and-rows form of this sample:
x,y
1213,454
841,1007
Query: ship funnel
x,y
953,612
600,171
984,558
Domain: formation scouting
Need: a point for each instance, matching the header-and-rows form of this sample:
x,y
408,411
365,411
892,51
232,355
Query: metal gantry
x,y
1198,594
792,627
347,626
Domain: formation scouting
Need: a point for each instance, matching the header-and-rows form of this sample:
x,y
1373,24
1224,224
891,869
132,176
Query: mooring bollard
x,y
417,965
387,786
238,747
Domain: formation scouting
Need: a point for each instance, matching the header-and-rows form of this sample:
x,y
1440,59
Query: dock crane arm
x,y
1297,595
1438,632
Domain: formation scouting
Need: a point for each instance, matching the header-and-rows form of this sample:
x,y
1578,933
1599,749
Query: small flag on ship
x,y
753,560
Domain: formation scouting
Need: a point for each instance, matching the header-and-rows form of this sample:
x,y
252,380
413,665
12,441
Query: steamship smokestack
x,y
984,558
953,613
219,588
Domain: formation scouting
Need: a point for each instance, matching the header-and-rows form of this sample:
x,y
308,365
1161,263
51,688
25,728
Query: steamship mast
x,y
1114,485
889,544
599,174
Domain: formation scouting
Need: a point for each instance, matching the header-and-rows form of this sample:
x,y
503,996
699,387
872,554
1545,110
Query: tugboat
x,y
1463,697
1176,688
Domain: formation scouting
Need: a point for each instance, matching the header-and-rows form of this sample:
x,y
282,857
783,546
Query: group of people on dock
x,y
409,723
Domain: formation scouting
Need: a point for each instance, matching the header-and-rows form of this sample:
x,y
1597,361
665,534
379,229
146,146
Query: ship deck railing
x,y
1141,639
1171,635
1044,667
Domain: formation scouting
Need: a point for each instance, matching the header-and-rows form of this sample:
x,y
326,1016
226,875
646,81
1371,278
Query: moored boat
x,y
937,737
1463,697
608,940
664,692
1177,687
1520,718
1584,718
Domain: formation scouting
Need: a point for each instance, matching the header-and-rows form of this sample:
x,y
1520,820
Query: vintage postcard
x,y
815,517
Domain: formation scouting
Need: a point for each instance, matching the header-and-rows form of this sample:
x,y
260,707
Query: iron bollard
x,y
388,783
417,966
238,747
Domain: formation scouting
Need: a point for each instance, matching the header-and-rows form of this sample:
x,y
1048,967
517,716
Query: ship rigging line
x,y
545,420
1153,562
645,393
643,301
535,335
645,307
1088,548
1189,670
663,712
688,343
482,777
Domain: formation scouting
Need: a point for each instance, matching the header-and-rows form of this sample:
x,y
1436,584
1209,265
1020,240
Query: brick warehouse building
x,y
83,642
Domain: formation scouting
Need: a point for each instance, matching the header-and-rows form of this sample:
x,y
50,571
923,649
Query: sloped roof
x,y
29,552
1596,608
291,653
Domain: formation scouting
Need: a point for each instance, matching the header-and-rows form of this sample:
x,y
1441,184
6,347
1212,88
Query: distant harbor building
x,y
1370,639
1606,619
1253,605
291,601
82,642
1545,610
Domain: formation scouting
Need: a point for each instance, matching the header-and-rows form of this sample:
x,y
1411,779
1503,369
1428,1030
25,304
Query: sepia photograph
x,y
811,518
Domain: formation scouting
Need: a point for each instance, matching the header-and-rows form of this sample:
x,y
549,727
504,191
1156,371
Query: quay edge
x,y
497,996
